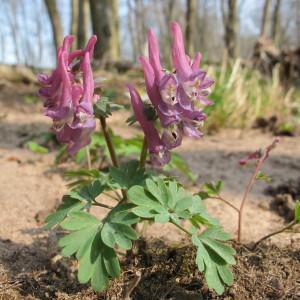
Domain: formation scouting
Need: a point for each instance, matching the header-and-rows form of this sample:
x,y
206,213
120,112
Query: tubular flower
x,y
180,96
159,154
69,95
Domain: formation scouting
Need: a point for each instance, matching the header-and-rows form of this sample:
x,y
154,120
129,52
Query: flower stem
x,y
226,202
111,196
143,155
288,226
246,193
109,142
102,205
111,148
251,182
88,157
181,228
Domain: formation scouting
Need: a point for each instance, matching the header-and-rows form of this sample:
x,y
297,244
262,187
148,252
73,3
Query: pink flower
x,y
69,95
180,96
159,155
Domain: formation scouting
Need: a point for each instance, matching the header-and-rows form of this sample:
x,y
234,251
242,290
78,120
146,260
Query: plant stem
x,y
88,157
111,196
226,202
288,226
143,155
117,195
247,191
109,142
251,182
111,148
102,205
181,228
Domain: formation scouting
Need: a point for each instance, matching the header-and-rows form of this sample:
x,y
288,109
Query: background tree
x,y
140,26
230,21
190,25
75,21
276,22
55,22
264,21
84,19
105,23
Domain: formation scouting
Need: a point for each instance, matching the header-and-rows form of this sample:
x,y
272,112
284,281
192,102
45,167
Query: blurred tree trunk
x,y
168,13
140,25
114,30
105,23
264,21
74,21
276,22
298,22
130,22
190,25
84,21
55,22
230,26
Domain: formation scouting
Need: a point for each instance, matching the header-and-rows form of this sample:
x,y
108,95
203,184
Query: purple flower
x,y
159,154
180,96
69,95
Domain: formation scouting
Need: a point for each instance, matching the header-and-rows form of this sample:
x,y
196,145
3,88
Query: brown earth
x,y
31,185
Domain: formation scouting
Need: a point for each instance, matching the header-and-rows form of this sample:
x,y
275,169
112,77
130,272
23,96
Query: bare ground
x,y
31,185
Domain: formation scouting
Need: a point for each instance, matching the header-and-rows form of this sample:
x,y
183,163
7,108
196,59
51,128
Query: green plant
x,y
139,195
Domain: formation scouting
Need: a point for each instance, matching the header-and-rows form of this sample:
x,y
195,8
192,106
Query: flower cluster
x,y
69,95
178,97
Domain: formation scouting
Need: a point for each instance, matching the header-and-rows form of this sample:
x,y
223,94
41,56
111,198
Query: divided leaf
x,y
117,228
89,192
104,107
128,174
214,257
97,262
165,201
68,205
213,188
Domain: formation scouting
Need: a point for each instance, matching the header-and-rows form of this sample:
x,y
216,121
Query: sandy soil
x,y
31,185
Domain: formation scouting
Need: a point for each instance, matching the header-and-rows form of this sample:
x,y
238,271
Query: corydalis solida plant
x,y
178,96
145,196
69,95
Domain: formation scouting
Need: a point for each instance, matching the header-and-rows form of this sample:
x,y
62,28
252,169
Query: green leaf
x,y
79,220
97,262
139,196
162,218
104,107
116,229
226,274
203,195
89,192
68,205
92,173
263,177
111,262
87,228
213,188
144,212
214,257
199,213
161,199
128,174
35,147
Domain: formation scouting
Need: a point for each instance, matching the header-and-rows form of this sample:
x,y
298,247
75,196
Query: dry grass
x,y
242,95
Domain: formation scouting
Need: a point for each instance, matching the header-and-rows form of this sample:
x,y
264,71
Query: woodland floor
x,y
31,186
